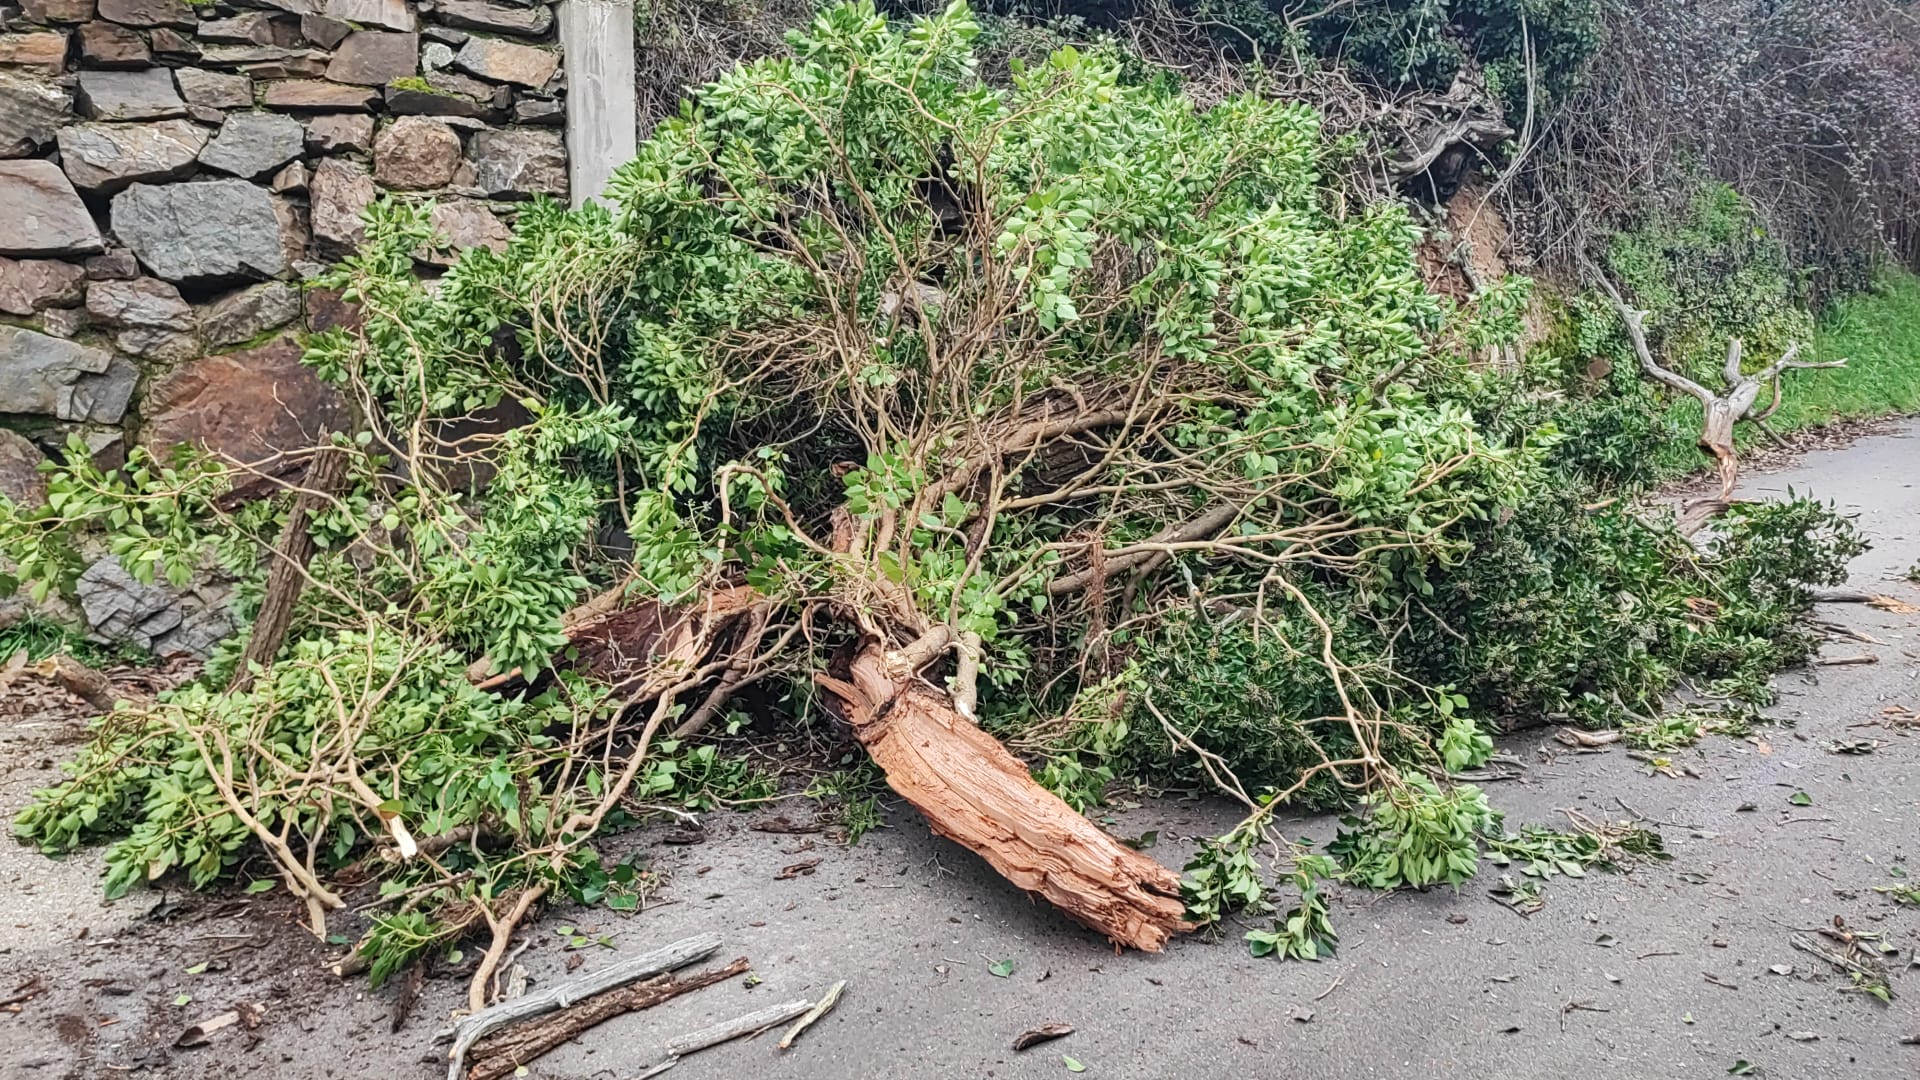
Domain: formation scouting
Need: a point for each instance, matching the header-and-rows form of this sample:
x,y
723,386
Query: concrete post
x,y
597,36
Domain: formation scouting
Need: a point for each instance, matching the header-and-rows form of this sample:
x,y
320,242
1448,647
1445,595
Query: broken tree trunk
x,y
972,791
1723,411
287,577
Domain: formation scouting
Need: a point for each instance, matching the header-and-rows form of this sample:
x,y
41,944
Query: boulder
x,y
550,112
375,58
415,153
318,95
506,62
49,376
43,49
29,285
145,302
252,27
460,224
251,143
104,158
129,95
116,265
32,108
156,617
246,405
41,215
63,322
110,45
291,180
323,31
214,89
413,101
49,11
392,14
149,13
340,133
173,45
435,55
200,231
20,478
337,193
518,163
478,15
246,314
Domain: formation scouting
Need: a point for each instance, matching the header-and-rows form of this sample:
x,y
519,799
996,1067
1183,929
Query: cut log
x,y
287,577
975,793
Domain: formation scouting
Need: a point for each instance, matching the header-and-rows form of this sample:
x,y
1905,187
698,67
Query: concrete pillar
x,y
597,36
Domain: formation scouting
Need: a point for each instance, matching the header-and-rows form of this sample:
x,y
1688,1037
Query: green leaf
x,y
1072,1064
1001,969
183,999
197,968
1800,798
263,885
1743,1067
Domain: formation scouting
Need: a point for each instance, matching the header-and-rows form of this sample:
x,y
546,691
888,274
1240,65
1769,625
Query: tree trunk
x,y
975,793
287,577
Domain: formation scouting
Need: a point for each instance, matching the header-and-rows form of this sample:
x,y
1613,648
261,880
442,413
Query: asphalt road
x,y
1681,969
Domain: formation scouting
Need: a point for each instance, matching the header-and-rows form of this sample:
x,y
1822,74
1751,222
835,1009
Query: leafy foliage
x,y
1416,835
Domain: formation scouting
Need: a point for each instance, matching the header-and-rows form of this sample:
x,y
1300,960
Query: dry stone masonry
x,y
171,173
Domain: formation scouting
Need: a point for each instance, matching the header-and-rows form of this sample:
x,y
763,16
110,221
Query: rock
x,y
478,15
435,55
291,180
340,133
323,31
68,11
255,27
165,346
20,478
45,49
245,315
157,618
462,224
47,376
210,229
415,153
375,58
32,108
327,309
129,95
293,228
251,143
116,265
28,285
104,158
170,43
243,405
214,89
542,111
519,163
445,34
110,45
392,14
142,302
63,322
409,101
506,62
338,192
41,215
149,13
318,95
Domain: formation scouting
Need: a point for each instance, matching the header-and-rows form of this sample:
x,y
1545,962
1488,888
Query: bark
x,y
975,793
288,575
500,1055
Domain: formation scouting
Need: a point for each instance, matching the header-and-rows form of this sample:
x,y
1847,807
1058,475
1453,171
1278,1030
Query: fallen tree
x,y
958,410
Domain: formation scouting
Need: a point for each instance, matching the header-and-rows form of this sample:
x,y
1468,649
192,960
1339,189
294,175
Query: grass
x,y
1878,334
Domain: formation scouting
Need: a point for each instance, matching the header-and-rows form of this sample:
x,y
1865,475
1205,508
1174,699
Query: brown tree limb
x,y
287,577
501,1054
972,791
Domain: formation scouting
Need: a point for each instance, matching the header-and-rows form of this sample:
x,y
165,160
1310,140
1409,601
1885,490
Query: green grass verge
x,y
1878,334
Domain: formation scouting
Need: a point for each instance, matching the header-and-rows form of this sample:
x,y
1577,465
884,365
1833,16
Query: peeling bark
x,y
975,793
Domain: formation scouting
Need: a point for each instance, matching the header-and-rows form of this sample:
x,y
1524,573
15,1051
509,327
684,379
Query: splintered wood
x,y
978,795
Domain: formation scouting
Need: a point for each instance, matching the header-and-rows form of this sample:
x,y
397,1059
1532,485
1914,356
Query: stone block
x,y
103,158
129,95
30,285
201,231
41,215
251,143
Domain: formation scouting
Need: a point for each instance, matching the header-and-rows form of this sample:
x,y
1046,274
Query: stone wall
x,y
171,172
